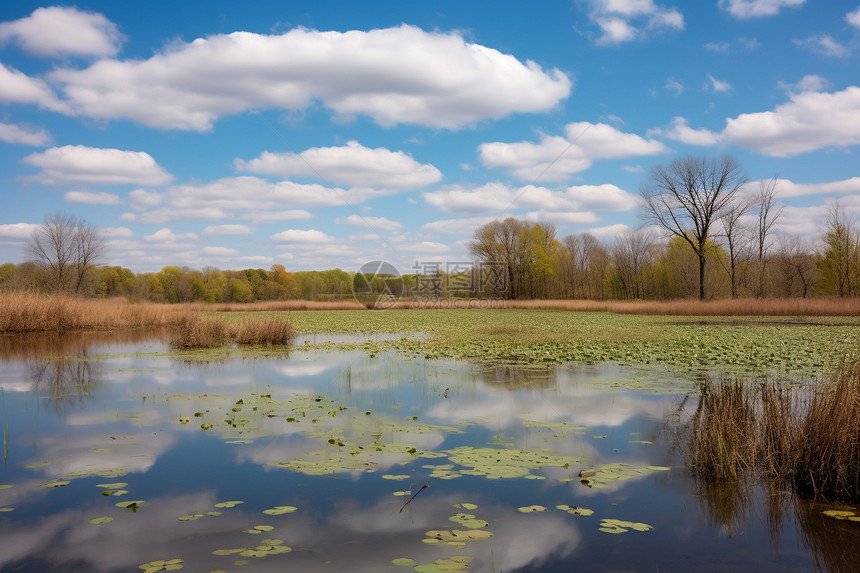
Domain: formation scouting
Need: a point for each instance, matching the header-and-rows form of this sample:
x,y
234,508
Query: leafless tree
x,y
631,253
737,239
768,214
67,248
688,196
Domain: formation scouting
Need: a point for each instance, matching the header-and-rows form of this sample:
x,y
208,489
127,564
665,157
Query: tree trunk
x,y
701,276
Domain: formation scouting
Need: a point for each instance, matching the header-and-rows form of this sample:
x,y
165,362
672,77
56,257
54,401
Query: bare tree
x,y
631,254
768,214
67,248
737,240
688,196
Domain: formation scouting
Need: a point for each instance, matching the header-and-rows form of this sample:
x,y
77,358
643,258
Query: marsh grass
x,y
726,307
808,438
264,330
199,331
22,312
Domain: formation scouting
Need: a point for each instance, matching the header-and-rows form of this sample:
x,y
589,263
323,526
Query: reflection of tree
x,y
725,503
514,377
67,380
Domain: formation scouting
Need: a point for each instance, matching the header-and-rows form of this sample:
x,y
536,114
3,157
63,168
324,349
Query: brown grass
x,y
727,307
30,312
266,330
199,332
808,437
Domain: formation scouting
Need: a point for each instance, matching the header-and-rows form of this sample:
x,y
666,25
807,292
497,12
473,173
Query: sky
x,y
321,135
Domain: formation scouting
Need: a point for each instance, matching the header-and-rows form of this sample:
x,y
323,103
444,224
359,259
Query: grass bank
x,y
806,437
22,312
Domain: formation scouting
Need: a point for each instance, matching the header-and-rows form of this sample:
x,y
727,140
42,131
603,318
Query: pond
x,y
118,457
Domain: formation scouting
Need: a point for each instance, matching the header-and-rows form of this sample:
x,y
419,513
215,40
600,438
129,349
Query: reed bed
x,y
199,332
727,307
265,330
22,312
214,331
806,437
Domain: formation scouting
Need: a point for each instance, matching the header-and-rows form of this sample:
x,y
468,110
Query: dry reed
x,y
726,307
807,437
200,332
31,312
267,330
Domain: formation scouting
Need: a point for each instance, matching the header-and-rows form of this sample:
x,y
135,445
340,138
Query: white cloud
x,y
374,222
555,158
352,165
560,217
59,31
257,259
681,131
808,83
165,235
853,18
718,86
258,198
301,236
91,197
808,121
424,247
219,251
674,86
721,47
111,232
787,188
16,87
744,9
575,202
141,198
228,230
627,20
394,75
18,230
11,133
610,231
79,164
823,44
462,226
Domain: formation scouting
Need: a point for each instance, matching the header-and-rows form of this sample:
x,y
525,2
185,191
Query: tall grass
x,y
727,307
266,330
806,437
213,330
31,312
199,331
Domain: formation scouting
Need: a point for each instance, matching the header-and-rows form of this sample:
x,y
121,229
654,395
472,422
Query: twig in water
x,y
413,496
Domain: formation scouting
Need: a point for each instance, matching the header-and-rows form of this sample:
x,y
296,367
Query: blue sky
x,y
328,134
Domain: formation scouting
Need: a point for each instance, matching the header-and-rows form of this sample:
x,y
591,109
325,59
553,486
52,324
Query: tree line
x,y
722,243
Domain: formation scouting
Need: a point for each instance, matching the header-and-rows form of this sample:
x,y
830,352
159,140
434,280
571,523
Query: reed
x,y
199,331
806,437
264,330
726,307
22,312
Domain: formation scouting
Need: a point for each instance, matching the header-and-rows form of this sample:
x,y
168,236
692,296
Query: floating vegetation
x,y
228,504
468,520
6,509
455,537
841,514
506,463
264,549
162,565
469,506
100,520
404,561
574,510
55,483
619,526
395,477
132,505
456,563
601,476
6,486
258,529
112,486
280,510
36,465
402,493
531,508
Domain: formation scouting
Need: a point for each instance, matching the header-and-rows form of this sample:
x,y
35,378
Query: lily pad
x,y
162,565
100,520
620,526
280,510
468,520
117,485
531,508
55,483
574,510
601,476
227,504
405,561
396,477
455,537
132,505
6,486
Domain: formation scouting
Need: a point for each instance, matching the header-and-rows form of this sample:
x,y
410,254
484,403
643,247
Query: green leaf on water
x,y
205,426
5,486
117,485
405,561
395,477
55,483
100,520
280,510
531,508
132,505
224,504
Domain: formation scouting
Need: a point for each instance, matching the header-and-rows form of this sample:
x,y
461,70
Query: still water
x,y
119,458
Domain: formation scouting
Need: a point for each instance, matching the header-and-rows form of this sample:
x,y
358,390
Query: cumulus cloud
x,y
350,165
461,226
61,31
555,158
79,164
394,75
301,236
245,197
18,230
853,18
808,121
681,131
609,231
808,83
228,230
17,87
91,197
11,133
220,251
165,235
626,20
743,9
112,232
375,222
823,44
787,188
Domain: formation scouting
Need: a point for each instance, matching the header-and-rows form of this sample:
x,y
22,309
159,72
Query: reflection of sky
x,y
350,520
